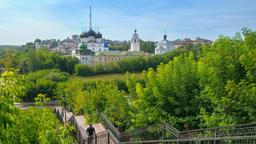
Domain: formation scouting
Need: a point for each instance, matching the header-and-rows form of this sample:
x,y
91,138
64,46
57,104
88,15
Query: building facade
x,y
135,42
86,56
164,46
94,41
187,41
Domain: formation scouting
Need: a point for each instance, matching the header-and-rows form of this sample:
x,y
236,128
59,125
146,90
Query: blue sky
x,y
22,21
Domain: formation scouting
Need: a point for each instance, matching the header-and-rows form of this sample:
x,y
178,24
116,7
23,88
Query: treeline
x,y
145,46
215,88
133,64
28,59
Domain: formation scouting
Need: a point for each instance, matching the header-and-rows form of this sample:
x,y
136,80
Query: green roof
x,y
83,46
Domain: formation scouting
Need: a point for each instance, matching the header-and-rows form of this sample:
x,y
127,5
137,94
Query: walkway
x,y
102,135
79,122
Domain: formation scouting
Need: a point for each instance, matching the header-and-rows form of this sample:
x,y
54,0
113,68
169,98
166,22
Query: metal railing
x,y
166,134
152,132
237,134
220,140
225,131
109,126
101,138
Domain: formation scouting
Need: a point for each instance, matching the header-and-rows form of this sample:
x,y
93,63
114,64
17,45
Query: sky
x,y
23,21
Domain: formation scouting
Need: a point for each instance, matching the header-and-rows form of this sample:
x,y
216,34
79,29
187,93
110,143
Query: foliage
x,y
29,59
41,99
168,95
30,126
10,91
120,47
43,82
146,46
91,98
36,126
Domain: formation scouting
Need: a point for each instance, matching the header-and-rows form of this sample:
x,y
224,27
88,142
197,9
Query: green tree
x,y
10,91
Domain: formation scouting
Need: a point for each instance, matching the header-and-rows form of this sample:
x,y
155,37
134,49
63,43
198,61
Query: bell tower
x,y
135,42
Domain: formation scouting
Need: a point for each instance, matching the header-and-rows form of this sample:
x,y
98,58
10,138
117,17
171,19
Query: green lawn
x,y
105,77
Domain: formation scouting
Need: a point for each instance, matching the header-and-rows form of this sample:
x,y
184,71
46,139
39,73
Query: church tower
x,y
135,42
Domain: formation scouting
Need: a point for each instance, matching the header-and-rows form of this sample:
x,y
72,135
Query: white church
x,y
93,48
93,40
164,46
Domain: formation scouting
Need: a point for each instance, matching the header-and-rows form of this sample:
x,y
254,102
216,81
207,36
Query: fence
x,y
237,134
165,134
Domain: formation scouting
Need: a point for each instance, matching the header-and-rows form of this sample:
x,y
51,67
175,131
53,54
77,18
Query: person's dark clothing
x,y
90,130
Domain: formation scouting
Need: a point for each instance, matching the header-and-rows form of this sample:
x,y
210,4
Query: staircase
x,y
102,135
106,133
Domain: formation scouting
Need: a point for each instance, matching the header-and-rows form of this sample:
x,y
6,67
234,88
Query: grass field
x,y
106,77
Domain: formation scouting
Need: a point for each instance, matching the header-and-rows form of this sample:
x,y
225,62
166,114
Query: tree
x,y
10,91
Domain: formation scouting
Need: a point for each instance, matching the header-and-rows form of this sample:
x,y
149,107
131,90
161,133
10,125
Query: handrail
x,y
110,126
160,131
234,132
171,128
112,136
220,127
241,139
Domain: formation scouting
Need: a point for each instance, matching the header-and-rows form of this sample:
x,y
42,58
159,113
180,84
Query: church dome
x,y
98,35
84,35
91,33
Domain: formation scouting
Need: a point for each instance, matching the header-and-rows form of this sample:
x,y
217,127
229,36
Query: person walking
x,y
90,131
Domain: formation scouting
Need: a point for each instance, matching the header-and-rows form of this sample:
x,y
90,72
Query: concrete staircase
x,y
102,135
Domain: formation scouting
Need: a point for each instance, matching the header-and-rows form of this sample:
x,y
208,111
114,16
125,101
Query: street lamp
x,y
65,110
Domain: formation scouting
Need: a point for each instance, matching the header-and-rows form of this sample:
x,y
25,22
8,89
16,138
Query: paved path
x,y
80,123
26,105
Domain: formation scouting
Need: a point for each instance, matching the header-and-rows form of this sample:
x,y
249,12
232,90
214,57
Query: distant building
x,y
75,38
113,56
163,46
187,41
135,42
93,40
83,54
86,56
